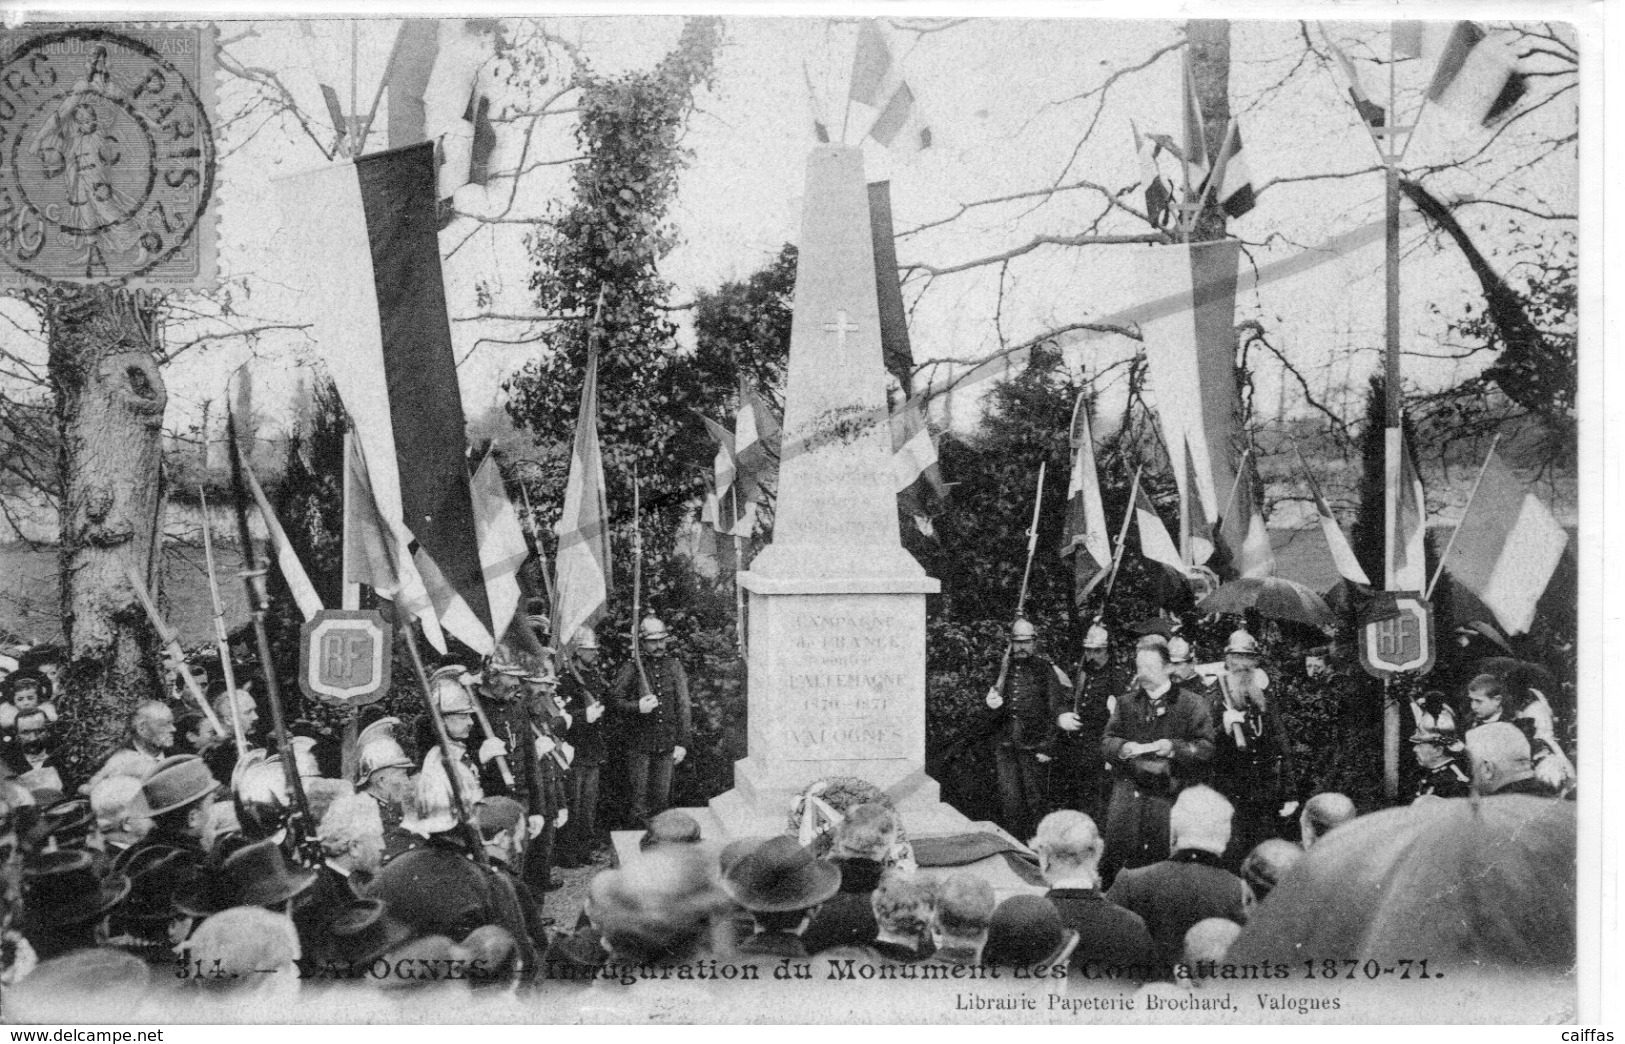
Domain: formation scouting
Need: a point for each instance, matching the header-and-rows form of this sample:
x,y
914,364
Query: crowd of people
x,y
194,865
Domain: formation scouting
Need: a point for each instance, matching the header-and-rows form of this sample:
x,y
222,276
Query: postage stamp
x,y
108,164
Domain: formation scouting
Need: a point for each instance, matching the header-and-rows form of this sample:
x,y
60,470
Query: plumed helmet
x,y
652,629
1096,638
451,696
1242,642
507,660
1179,650
380,753
383,728
586,638
1023,630
260,795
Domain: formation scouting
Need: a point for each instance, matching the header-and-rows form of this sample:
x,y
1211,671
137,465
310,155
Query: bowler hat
x,y
671,827
1026,931
779,875
61,889
65,821
254,875
365,931
174,782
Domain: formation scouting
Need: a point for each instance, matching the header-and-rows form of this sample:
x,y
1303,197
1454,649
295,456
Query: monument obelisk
x,y
837,607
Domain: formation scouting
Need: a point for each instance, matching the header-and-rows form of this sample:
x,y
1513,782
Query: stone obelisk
x,y
837,607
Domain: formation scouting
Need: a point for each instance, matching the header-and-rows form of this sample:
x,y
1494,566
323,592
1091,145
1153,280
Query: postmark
x,y
107,157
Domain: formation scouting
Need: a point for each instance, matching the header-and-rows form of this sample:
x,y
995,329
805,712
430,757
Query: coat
x,y
671,723
1035,691
1109,937
538,782
1171,896
1186,721
579,687
1262,774
437,889
847,918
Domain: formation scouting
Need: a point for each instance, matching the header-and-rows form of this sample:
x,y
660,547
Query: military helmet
x,y
586,638
1097,638
1241,641
378,754
451,696
652,629
1180,651
1023,630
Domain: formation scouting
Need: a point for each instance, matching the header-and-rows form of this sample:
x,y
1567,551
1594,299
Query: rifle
x,y
459,803
172,645
1026,574
299,822
485,725
645,689
221,640
541,553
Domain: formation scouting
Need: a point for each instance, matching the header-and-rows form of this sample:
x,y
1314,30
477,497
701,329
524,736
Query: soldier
x,y
1159,739
1028,700
1252,763
548,792
456,706
584,693
1095,686
654,703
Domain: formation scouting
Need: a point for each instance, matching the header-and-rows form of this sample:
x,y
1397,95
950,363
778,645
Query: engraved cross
x,y
840,328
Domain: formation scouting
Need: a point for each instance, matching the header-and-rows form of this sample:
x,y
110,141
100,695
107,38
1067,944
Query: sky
x,y
1003,100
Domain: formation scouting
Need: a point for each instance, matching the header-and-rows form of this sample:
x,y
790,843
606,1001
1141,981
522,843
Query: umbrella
x,y
1519,674
1366,604
1155,625
1274,597
1484,883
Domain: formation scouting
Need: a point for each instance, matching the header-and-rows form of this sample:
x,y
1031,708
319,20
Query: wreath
x,y
817,810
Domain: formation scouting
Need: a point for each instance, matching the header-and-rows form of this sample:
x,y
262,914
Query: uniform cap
x,y
1096,638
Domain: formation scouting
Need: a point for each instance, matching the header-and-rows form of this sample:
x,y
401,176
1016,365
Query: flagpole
x,y
536,540
1438,570
222,641
1122,541
1390,706
739,567
350,592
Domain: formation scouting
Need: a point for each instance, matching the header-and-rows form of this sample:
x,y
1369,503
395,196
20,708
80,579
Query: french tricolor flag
x,y
367,257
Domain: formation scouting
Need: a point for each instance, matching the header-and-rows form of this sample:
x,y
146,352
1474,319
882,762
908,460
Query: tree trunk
x,y
110,400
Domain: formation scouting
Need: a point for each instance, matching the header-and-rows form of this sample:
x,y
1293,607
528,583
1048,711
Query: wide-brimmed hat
x,y
365,931
254,875
781,874
174,782
61,889
64,821
156,875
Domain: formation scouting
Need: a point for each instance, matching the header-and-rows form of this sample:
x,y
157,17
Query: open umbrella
x,y
1483,884
1360,601
1155,625
1274,597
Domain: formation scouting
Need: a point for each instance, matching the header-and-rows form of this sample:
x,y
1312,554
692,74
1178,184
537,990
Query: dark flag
x,y
374,284
894,345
